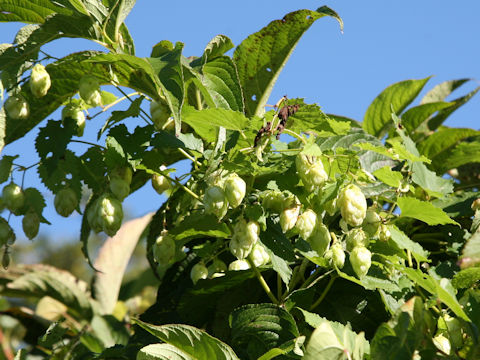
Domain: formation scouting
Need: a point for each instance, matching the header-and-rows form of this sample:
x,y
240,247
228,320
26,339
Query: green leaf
x,y
397,96
441,91
35,201
6,167
53,335
109,330
198,225
436,288
218,46
471,251
221,79
466,278
28,11
415,116
404,242
41,280
388,176
206,122
439,145
192,341
332,340
85,230
423,211
162,352
261,56
112,261
443,114
463,153
257,328
132,111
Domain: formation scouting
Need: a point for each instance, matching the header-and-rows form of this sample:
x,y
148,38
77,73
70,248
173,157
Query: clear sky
x,y
383,42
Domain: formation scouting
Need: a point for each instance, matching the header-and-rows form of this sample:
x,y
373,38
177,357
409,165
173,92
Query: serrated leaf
x,y
221,79
466,278
423,211
397,96
162,352
28,11
200,225
405,243
389,176
216,47
109,330
256,328
93,169
441,91
332,340
53,139
206,122
463,153
191,142
261,56
435,287
415,116
85,230
192,341
112,261
6,167
35,201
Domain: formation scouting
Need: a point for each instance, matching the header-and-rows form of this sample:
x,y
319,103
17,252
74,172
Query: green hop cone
x,y
89,90
199,271
159,112
273,200
217,268
310,169
353,205
306,223
13,197
77,114
244,237
235,188
164,249
6,259
320,239
259,255
7,236
356,237
17,107
93,217
65,202
361,260
119,187
111,214
371,223
30,224
39,81
125,173
383,233
161,183
238,265
289,217
338,255
215,201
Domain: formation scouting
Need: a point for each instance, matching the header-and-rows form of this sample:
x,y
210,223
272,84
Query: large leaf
x,y
424,211
471,251
261,57
463,153
257,328
397,96
40,280
162,352
28,11
192,341
112,261
443,140
441,91
334,341
405,243
415,116
200,225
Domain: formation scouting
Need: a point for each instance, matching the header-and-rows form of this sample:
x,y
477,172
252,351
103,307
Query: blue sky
x,y
383,42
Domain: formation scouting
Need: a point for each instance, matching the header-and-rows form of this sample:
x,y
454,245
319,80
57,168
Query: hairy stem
x,y
263,283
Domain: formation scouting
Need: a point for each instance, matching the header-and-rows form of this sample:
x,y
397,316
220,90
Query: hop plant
x,y
338,255
120,180
217,268
199,271
320,239
89,90
289,217
310,169
13,197
159,112
259,255
17,107
306,223
75,112
65,202
238,265
30,224
371,223
39,81
235,188
361,260
383,233
353,205
215,201
161,183
356,237
111,214
164,249
7,236
245,235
